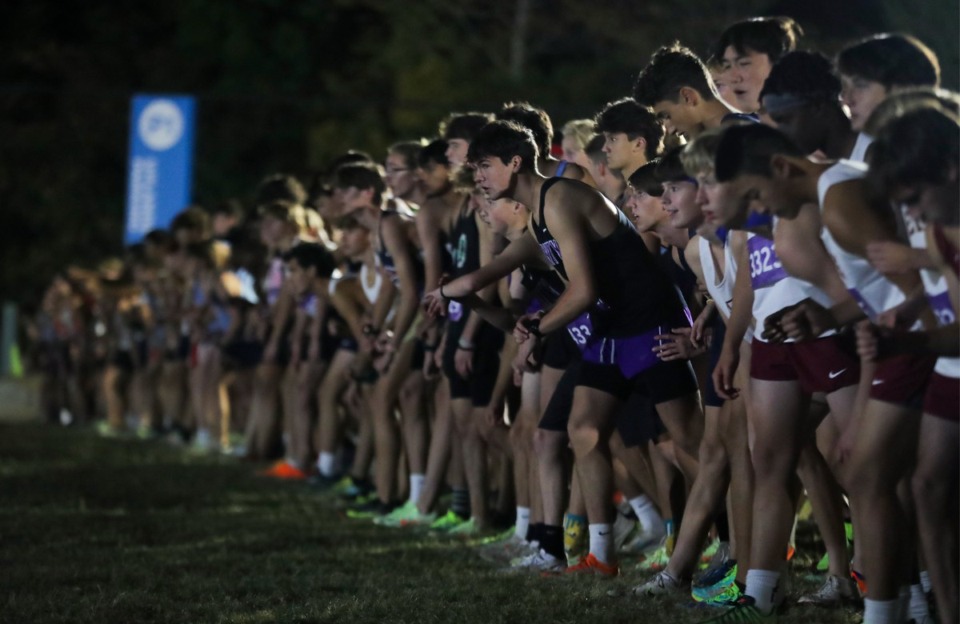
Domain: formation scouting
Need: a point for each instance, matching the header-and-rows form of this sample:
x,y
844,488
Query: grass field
x,y
97,530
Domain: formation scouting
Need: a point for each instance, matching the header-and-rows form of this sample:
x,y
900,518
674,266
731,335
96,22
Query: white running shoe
x,y
834,591
661,583
540,561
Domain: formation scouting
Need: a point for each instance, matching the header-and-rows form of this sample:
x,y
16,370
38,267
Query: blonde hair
x,y
580,130
698,155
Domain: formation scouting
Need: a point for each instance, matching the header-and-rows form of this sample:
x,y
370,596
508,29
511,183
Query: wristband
x,y
533,326
429,347
464,346
442,296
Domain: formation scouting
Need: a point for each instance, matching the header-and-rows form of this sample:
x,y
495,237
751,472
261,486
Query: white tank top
x,y
935,286
721,291
773,288
874,292
372,292
859,152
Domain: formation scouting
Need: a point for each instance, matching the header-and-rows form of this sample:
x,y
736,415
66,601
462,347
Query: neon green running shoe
x,y
708,553
465,529
727,597
657,560
405,515
446,522
498,538
743,611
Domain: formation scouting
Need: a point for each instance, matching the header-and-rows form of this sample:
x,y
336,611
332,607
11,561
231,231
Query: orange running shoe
x,y
284,470
590,565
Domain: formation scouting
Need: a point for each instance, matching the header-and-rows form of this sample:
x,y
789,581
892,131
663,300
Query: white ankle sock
x,y
881,611
918,609
416,486
601,542
523,522
646,512
761,586
325,464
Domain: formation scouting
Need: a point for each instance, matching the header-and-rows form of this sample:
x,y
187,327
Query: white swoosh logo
x,y
834,375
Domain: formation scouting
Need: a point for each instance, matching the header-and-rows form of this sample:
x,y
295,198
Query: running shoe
x,y
623,530
644,539
591,566
284,470
465,529
661,584
727,597
715,581
718,566
657,560
405,515
348,488
446,522
499,538
709,552
369,510
744,611
834,591
507,550
540,562
106,430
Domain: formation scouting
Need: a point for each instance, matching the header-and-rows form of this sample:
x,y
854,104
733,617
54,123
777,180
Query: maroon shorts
x,y
770,361
902,379
943,397
826,364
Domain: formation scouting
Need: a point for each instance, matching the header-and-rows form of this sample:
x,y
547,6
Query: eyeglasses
x,y
396,171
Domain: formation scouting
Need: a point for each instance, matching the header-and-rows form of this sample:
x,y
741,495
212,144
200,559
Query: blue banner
x,y
160,171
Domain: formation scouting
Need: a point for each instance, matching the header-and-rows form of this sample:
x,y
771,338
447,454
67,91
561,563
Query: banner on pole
x,y
160,170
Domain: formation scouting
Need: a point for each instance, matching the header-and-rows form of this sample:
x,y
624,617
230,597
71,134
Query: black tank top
x,y
465,242
544,286
635,294
386,259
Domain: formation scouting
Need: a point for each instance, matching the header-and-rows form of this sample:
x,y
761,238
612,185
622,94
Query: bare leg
x,y
416,428
708,490
934,490
438,457
386,435
328,398
882,456
778,411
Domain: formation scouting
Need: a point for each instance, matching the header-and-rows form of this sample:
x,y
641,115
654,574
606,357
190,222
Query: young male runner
x,y
915,159
595,248
748,50
766,164
678,87
632,136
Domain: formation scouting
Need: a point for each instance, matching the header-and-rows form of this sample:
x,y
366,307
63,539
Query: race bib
x,y
765,267
455,311
581,330
942,308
